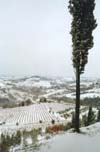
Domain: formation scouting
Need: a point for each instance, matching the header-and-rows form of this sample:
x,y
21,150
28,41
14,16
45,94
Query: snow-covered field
x,y
34,82
87,141
30,116
90,94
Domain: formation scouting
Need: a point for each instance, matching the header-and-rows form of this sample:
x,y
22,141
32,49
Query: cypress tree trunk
x,y
77,108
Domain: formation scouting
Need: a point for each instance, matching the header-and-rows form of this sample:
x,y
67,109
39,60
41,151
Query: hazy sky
x,y
35,39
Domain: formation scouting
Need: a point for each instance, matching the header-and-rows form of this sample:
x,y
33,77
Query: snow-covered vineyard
x,y
33,116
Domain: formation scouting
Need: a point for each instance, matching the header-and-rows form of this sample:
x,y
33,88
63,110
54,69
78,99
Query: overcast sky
x,y
35,39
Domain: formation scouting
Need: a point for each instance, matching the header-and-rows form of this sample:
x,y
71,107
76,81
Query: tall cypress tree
x,y
82,26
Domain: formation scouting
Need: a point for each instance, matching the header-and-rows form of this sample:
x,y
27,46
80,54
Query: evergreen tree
x,y
91,116
73,120
98,116
84,120
82,26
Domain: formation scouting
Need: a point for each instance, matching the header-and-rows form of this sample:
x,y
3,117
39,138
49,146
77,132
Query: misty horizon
x,y
35,39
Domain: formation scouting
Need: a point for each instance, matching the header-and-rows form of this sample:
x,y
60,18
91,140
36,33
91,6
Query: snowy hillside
x,y
87,141
16,90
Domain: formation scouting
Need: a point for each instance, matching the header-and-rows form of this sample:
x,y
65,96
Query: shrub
x,y
8,141
98,116
57,128
91,116
53,121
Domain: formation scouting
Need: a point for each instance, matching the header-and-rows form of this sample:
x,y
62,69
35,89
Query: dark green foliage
x,y
28,102
68,126
43,99
82,26
73,120
18,137
4,145
53,121
98,116
95,102
7,141
84,121
17,123
91,116
40,121
22,103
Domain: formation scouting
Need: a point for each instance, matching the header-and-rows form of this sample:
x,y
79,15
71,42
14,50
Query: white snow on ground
x,y
20,96
29,140
30,116
87,141
42,84
2,83
90,95
53,92
16,95
94,90
51,87
30,83
87,84
85,95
